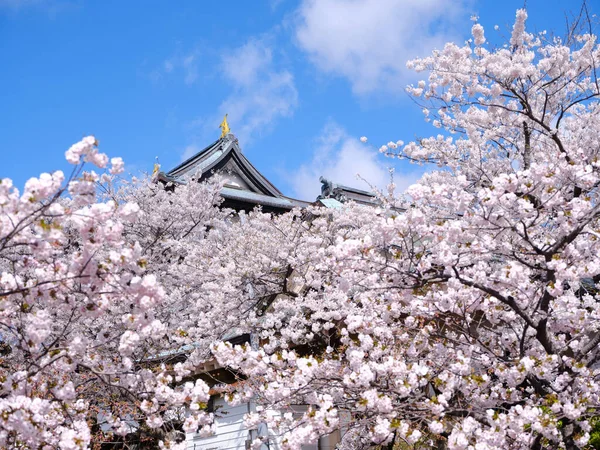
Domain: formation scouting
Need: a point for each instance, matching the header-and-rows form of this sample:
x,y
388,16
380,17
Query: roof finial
x,y
156,169
224,127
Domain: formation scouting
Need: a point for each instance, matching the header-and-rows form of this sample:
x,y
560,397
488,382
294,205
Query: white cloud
x,y
340,158
191,69
369,41
185,64
189,151
275,4
261,92
244,64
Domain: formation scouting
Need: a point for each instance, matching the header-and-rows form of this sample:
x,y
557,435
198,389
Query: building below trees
x,y
245,189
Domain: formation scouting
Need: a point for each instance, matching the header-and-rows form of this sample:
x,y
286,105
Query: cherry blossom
x,y
460,315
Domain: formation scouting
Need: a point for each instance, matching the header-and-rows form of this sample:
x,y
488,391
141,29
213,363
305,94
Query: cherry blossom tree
x,y
467,315
77,315
463,315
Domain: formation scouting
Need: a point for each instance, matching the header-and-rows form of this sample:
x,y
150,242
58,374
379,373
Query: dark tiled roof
x,y
260,199
226,155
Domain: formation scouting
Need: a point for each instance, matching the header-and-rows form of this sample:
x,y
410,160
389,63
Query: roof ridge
x,y
191,159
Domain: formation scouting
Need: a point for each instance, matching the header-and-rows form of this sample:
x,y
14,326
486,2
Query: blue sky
x,y
301,80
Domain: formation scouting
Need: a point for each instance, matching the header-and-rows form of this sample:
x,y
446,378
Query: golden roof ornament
x,y
156,169
224,127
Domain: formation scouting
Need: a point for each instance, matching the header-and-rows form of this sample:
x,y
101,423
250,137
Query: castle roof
x,y
245,187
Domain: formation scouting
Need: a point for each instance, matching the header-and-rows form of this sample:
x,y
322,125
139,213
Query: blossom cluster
x,y
78,314
463,314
